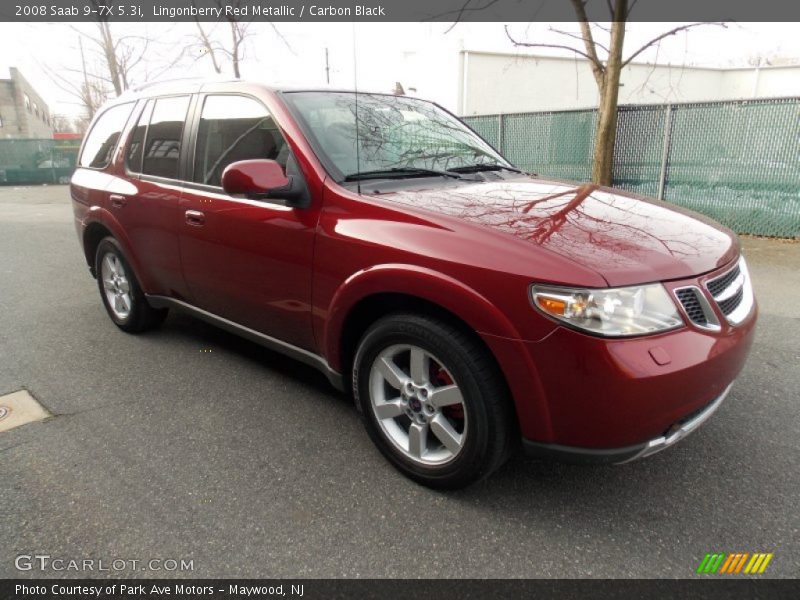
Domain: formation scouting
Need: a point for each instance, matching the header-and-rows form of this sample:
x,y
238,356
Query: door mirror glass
x,y
256,178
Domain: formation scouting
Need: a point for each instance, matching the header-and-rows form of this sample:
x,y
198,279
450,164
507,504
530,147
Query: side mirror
x,y
261,179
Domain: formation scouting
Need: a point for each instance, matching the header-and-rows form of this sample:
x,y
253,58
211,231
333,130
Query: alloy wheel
x,y
116,286
418,404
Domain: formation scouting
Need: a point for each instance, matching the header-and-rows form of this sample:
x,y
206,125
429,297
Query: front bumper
x,y
614,399
673,435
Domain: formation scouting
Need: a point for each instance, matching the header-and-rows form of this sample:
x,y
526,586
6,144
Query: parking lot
x,y
189,443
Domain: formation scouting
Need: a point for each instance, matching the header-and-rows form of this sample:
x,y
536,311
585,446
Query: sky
x,y
423,56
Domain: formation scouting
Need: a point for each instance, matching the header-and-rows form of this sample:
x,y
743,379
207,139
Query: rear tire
x,y
433,401
120,290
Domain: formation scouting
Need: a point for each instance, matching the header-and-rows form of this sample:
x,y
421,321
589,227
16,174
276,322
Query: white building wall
x,y
777,81
503,83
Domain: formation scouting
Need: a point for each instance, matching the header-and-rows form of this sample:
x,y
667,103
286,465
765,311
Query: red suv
x,y
467,305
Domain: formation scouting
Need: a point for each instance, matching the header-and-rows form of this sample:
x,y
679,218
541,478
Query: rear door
x,y
245,260
147,206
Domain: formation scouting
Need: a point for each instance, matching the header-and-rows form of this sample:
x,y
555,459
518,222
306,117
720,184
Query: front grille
x,y
728,290
691,304
729,305
732,292
718,285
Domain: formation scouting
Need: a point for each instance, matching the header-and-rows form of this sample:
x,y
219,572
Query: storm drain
x,y
20,408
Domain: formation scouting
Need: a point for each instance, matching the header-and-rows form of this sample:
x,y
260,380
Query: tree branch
x,y
578,37
541,45
598,70
464,9
280,35
657,39
210,50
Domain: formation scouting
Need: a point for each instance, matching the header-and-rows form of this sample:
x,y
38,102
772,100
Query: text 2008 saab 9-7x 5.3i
x,y
469,307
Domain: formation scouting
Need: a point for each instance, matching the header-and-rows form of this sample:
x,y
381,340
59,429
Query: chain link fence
x,y
737,162
29,162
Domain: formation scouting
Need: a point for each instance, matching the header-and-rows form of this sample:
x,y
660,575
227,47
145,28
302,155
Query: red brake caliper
x,y
455,411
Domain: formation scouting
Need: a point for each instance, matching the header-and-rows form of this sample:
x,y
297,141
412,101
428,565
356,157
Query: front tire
x,y
433,400
120,290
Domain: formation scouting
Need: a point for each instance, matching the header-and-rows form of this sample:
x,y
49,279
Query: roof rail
x,y
149,84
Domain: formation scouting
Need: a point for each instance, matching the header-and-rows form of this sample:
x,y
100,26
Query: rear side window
x,y
162,147
234,128
102,140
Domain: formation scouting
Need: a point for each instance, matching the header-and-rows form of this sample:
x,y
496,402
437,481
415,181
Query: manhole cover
x,y
4,410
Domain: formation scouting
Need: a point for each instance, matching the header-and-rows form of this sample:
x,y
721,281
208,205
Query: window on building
x,y
163,142
234,128
103,137
27,102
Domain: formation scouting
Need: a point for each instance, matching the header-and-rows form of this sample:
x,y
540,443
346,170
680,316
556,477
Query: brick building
x,y
23,112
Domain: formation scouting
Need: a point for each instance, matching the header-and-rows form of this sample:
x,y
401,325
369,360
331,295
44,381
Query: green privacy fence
x,y
27,162
737,162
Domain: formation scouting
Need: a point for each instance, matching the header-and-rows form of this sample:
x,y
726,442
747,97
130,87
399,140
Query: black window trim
x,y
97,119
141,106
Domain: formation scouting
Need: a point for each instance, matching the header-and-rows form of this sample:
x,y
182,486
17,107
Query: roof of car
x,y
195,84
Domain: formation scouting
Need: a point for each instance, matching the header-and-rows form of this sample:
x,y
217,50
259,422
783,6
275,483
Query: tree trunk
x,y
110,53
606,132
209,48
235,49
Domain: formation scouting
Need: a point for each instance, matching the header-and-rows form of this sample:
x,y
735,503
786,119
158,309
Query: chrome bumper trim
x,y
665,441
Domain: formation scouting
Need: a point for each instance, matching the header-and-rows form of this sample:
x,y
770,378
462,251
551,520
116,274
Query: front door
x,y
245,260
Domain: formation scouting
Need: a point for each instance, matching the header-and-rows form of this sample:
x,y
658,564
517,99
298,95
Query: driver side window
x,y
234,128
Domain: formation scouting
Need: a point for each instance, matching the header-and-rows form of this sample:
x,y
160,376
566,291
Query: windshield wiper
x,y
400,173
477,167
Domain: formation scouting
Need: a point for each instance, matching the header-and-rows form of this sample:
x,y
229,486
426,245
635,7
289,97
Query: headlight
x,y
623,311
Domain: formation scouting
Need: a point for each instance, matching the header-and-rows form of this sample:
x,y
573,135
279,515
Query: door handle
x,y
118,201
195,218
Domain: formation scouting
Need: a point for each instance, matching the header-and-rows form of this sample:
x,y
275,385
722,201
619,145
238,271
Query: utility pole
x,y
327,68
86,91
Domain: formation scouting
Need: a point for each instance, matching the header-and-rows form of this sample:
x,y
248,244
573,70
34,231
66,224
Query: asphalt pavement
x,y
188,443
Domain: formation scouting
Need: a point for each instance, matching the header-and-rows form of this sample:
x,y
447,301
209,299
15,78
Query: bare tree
x,y
227,45
119,56
230,51
110,64
606,61
64,124
82,84
208,48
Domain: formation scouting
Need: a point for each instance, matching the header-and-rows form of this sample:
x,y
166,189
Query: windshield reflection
x,y
375,133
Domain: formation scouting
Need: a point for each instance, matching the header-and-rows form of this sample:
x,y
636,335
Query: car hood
x,y
624,238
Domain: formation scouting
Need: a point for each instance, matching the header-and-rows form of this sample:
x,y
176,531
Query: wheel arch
x,y
101,224
379,291
92,236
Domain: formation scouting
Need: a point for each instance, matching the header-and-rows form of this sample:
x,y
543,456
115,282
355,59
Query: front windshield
x,y
394,132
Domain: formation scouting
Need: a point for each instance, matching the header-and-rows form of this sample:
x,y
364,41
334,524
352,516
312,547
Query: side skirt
x,y
262,339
